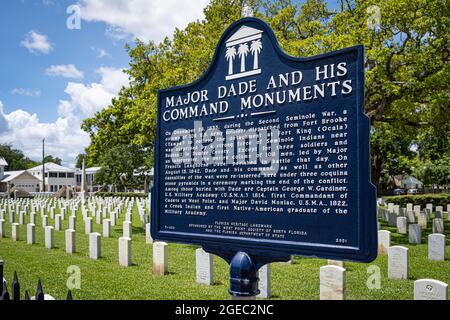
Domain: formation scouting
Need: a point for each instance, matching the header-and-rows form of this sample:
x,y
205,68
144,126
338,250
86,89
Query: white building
x,y
20,179
56,176
90,181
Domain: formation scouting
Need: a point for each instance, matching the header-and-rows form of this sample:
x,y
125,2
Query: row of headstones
x,y
332,286
332,276
94,204
401,218
436,242
94,238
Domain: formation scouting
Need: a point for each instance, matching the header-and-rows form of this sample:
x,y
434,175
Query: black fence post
x,y
15,287
69,295
1,276
27,296
5,293
39,292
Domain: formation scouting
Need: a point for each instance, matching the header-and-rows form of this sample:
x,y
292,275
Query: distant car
x,y
399,192
413,191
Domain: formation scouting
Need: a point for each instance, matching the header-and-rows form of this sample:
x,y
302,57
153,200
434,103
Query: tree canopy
x,y
406,61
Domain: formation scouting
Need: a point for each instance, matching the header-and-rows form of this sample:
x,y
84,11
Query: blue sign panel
x,y
267,153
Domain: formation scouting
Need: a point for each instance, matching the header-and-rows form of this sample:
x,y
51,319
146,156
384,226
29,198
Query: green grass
x,y
105,279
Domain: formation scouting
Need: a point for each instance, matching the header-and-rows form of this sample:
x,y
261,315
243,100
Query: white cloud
x,y
64,70
26,92
145,19
95,96
37,43
64,137
101,53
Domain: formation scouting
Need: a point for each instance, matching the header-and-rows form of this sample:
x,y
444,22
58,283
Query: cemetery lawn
x,y
105,279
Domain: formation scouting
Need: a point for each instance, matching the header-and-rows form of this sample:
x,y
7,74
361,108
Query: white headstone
x,y
112,217
125,252
398,263
402,224
49,237
33,218
15,232
332,283
95,246
22,217
411,217
127,231
148,235
429,289
415,234
409,207
106,228
392,219
31,233
338,263
384,241
160,258
204,267
265,282
423,220
429,206
58,222
70,241
438,226
417,210
2,228
88,225
72,222
44,221
436,247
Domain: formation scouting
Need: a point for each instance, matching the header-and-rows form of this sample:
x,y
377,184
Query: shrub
x,y
441,199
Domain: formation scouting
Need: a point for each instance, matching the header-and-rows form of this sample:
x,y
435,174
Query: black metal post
x,y
5,294
15,287
39,292
27,296
1,276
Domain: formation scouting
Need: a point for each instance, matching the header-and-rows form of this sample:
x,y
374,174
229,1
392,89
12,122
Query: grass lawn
x,y
105,279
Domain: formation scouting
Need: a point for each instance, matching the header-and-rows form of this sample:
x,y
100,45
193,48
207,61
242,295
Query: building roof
x,y
11,175
3,162
88,170
52,167
411,180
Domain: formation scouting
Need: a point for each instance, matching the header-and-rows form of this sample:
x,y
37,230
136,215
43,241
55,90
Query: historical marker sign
x,y
267,153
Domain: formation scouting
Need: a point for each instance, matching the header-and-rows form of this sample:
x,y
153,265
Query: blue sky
x,y
53,77
22,69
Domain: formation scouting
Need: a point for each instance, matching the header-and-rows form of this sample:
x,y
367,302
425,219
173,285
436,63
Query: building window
x,y
53,175
70,175
62,175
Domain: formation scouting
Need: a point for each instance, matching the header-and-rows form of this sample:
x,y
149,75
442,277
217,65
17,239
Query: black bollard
x,y
39,292
15,287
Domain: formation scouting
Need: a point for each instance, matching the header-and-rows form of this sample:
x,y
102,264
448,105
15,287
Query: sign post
x,y
266,156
